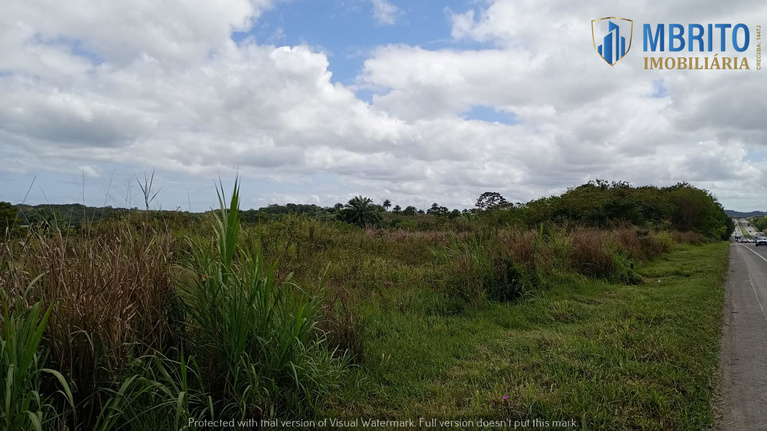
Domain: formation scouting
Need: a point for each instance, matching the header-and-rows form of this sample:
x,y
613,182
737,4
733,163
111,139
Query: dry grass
x,y
589,253
109,297
693,238
343,325
520,246
629,242
114,297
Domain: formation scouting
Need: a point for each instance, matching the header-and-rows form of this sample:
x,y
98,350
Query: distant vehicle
x,y
761,241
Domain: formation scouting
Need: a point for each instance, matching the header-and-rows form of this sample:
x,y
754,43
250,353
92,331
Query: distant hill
x,y
75,214
67,214
739,214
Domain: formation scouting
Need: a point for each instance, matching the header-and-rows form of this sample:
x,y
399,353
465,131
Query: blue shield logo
x,y
612,37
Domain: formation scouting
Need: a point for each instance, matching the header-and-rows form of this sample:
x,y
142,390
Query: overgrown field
x,y
144,322
608,355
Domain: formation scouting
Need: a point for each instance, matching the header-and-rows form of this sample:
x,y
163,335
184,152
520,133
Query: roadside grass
x,y
744,231
484,321
609,356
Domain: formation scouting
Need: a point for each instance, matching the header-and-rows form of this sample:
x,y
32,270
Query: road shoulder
x,y
742,374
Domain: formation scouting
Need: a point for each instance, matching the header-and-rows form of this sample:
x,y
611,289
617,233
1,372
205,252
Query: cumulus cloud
x,y
152,84
582,119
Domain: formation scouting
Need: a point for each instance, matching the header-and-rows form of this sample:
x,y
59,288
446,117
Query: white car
x,y
761,241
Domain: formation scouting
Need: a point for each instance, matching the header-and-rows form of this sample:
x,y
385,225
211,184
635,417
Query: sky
x,y
317,101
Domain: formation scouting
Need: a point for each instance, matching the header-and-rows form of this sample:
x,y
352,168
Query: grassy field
x,y
609,356
150,321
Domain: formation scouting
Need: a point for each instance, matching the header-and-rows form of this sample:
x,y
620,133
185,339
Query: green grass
x,y
744,231
24,404
300,317
609,356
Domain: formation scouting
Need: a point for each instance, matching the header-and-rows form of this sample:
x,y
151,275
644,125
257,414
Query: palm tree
x,y
359,211
387,204
397,209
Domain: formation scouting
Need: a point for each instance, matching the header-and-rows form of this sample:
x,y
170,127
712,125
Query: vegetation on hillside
x,y
597,204
8,216
760,223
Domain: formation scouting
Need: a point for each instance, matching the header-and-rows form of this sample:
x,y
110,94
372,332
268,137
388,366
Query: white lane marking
x,y
752,251
751,282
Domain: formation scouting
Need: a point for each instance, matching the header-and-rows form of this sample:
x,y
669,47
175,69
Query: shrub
x,y
589,256
476,272
693,238
628,242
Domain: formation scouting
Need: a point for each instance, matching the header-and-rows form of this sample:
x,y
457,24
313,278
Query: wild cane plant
x,y
163,395
255,335
24,405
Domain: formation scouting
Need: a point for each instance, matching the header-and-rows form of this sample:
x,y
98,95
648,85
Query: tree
x,y
8,216
438,210
359,211
409,211
387,204
491,201
397,209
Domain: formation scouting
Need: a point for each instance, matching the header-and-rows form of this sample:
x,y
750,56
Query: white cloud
x,y
581,119
384,12
152,84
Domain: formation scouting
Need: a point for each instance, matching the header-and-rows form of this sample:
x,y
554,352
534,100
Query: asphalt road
x,y
743,355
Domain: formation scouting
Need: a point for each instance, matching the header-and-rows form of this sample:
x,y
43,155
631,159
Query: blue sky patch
x,y
659,89
489,114
347,30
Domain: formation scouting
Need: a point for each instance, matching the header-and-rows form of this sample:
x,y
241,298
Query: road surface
x,y
743,355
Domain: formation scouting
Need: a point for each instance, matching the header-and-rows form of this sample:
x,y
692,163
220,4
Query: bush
x,y
476,272
693,238
8,217
590,256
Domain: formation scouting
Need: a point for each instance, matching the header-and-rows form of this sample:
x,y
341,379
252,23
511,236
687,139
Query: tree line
x,y
598,203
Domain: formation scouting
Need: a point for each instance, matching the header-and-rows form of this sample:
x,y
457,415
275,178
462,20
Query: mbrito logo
x,y
612,37
676,46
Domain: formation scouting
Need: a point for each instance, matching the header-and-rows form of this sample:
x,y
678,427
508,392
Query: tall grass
x,y
148,342
478,270
151,322
161,394
109,296
508,264
24,404
255,337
